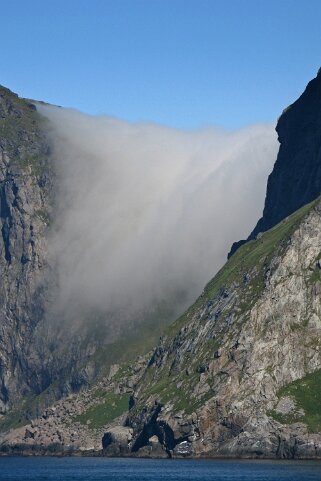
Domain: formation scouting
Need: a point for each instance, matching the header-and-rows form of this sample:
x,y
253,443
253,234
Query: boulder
x,y
117,440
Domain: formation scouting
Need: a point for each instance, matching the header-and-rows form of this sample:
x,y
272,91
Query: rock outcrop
x,y
116,441
296,176
25,207
83,422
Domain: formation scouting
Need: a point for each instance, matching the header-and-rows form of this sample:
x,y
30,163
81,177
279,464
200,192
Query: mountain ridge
x,y
296,177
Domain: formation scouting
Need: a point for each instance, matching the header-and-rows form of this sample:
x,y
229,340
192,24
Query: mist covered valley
x,y
145,215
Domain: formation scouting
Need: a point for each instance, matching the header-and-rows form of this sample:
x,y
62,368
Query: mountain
x,y
296,176
238,374
25,192
36,355
41,357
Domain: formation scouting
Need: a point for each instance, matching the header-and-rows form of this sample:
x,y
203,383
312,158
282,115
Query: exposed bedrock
x,y
296,176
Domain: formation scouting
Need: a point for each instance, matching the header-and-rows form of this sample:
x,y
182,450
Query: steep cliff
x,y
296,176
25,190
38,354
43,357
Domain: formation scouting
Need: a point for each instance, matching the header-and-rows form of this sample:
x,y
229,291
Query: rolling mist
x,y
146,214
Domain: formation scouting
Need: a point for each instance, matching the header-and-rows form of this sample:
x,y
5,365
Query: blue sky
x,y
184,63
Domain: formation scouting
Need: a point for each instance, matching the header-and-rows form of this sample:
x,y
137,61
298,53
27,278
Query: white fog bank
x,y
147,213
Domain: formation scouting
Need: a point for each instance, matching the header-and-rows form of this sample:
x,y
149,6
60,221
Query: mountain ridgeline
x,y
238,374
296,176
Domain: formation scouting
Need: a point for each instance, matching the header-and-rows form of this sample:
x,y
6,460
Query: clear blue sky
x,y
185,63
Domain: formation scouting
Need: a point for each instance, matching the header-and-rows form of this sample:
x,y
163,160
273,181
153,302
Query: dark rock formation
x,y
296,176
116,441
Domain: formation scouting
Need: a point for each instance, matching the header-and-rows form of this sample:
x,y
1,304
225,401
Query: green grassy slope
x,y
306,393
254,255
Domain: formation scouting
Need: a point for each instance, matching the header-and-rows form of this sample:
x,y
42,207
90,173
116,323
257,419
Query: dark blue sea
x,y
98,469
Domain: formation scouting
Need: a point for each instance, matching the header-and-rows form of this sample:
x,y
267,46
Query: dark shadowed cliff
x,y
296,176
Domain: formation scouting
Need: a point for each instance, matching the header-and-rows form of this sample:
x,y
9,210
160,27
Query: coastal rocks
x,y
116,441
183,449
70,424
153,449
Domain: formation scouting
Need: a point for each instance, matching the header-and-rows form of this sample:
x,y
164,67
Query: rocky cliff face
x,y
25,190
40,354
36,352
296,176
231,377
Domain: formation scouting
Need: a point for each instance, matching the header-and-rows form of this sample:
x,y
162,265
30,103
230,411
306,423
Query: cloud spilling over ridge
x,y
146,214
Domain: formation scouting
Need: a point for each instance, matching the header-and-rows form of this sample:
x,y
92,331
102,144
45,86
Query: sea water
x,y
98,469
